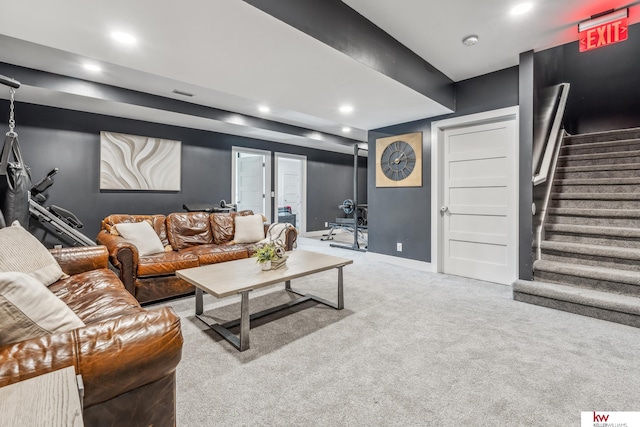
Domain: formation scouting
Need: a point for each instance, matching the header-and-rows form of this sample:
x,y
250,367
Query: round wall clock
x,y
399,161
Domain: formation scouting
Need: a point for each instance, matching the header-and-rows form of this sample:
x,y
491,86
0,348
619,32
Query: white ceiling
x,y
233,56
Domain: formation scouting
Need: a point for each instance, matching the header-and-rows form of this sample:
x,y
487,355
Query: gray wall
x,y
525,199
604,83
69,140
403,215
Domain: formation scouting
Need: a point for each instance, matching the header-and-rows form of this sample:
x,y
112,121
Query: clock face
x,y
398,160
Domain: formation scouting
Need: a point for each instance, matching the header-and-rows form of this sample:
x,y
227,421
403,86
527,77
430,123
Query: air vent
x,y
179,92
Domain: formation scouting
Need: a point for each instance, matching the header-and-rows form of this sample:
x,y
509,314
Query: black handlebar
x,y
8,81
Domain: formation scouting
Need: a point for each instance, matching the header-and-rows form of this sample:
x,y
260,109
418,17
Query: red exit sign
x,y
604,35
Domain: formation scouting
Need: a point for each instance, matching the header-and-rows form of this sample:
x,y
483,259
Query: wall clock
x,y
399,161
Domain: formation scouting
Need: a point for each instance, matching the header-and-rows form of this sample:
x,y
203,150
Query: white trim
x,y
278,155
437,140
402,262
267,171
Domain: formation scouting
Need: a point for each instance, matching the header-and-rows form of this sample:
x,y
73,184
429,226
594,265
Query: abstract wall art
x,y
130,162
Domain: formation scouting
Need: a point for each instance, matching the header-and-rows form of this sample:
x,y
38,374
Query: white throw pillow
x,y
142,235
21,251
28,309
249,229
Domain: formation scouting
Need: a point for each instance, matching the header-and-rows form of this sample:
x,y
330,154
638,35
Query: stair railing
x,y
546,161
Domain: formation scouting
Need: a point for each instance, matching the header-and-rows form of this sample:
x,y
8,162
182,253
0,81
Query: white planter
x,y
266,265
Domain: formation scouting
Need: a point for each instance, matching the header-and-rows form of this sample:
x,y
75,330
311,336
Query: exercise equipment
x,y
15,179
223,207
347,206
54,218
357,224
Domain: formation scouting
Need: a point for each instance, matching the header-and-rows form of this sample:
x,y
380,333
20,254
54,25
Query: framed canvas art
x,y
131,162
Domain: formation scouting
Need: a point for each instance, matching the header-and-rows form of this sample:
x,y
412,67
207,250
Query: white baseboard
x,y
402,262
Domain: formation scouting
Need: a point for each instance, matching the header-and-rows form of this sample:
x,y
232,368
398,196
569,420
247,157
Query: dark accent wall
x,y
403,215
604,83
526,113
70,141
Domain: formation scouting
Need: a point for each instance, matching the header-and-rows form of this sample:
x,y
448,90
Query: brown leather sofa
x,y
191,239
127,355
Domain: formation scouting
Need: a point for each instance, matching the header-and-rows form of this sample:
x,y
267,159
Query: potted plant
x,y
265,255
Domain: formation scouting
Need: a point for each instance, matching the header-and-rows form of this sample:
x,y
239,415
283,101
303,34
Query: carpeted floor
x,y
410,349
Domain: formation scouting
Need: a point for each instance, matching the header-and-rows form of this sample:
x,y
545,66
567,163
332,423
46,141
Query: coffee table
x,y
242,276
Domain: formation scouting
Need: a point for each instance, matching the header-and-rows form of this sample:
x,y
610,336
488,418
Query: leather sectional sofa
x,y
127,355
191,239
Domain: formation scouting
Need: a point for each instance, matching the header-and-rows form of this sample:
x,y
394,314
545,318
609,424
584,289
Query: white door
x,y
291,186
479,201
251,180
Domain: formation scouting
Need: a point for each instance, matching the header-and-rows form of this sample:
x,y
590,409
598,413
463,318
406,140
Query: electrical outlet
x,y
399,247
326,224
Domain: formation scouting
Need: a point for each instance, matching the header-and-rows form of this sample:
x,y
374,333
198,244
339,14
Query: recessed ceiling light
x,y
470,40
346,109
346,129
92,67
264,109
124,38
521,8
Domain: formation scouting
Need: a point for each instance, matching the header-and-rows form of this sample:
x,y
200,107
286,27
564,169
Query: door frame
x,y
267,172
438,129
303,183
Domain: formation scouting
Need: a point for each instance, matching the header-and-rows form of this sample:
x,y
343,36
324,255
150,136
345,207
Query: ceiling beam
x,y
337,25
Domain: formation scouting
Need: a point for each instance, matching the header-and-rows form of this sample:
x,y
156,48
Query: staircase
x,y
591,250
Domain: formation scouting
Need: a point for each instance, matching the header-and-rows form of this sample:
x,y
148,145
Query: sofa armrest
x,y
114,356
292,237
124,256
79,259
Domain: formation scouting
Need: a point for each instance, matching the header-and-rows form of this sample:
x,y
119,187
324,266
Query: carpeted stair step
x,y
610,135
593,235
617,157
601,147
622,309
589,277
599,171
592,255
595,200
598,185
600,217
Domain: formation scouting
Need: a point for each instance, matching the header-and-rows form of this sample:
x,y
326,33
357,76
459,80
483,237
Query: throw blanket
x,y
277,233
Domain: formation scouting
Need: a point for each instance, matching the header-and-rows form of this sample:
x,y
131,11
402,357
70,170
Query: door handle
x,y
444,209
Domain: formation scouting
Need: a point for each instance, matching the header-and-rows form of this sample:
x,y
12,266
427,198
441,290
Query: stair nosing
x,y
597,144
620,303
602,132
593,230
597,181
604,251
595,213
605,155
598,168
601,273
594,196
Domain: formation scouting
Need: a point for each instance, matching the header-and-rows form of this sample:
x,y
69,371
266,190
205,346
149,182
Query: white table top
x,y
231,277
